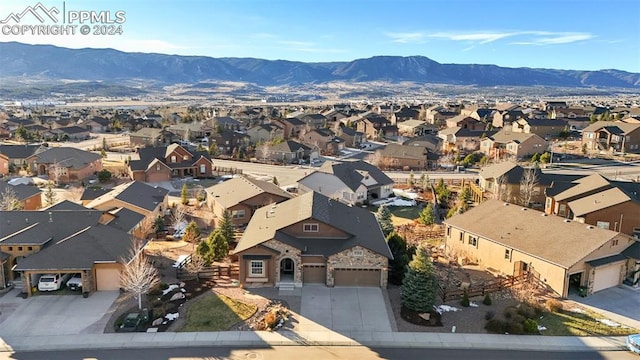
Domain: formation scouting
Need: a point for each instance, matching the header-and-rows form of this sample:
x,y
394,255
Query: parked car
x,y
633,343
75,283
52,282
134,321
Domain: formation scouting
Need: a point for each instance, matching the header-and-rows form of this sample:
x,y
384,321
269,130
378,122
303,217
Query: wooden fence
x,y
483,289
231,271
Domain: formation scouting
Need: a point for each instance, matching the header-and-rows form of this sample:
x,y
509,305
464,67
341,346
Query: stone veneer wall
x,y
369,260
290,252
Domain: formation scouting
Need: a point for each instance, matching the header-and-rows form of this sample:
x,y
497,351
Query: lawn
x,y
215,312
401,215
580,323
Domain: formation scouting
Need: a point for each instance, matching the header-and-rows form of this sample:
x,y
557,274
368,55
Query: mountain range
x,y
26,62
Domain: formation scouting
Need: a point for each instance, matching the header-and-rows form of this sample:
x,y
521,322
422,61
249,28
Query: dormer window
x,y
310,227
173,158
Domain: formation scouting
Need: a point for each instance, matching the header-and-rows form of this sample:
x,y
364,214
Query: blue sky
x,y
561,34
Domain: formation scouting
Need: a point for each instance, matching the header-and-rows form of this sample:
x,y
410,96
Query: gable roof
x,y
66,205
18,151
360,224
583,185
533,232
150,153
598,201
290,146
505,136
22,191
91,193
239,189
68,157
406,152
351,173
496,170
135,193
622,127
125,219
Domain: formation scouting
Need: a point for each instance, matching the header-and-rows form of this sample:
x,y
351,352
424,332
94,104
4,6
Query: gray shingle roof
x,y
22,191
350,173
38,227
533,233
135,193
361,225
68,157
18,151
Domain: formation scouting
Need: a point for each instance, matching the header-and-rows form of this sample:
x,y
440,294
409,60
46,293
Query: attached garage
x,y
314,274
356,277
108,278
606,276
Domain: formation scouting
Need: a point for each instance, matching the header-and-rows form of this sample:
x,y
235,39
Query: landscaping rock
x,y
157,322
177,296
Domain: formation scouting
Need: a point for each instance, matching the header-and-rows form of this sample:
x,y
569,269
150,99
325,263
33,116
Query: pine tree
x,y
275,181
226,227
411,181
158,224
428,215
424,181
184,195
401,255
420,285
383,215
50,197
204,251
192,232
218,245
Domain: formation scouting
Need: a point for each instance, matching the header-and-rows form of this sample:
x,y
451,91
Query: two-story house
x,y
615,136
166,162
14,157
506,143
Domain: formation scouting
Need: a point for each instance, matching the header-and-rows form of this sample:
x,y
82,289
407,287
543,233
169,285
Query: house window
x,y
173,158
614,242
461,237
507,254
237,214
185,158
563,210
19,248
358,253
256,268
10,248
158,167
203,169
473,241
310,227
603,225
448,231
30,248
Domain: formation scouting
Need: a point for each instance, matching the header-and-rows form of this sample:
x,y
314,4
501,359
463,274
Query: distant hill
x,y
51,62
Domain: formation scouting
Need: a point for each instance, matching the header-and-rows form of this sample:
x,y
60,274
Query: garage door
x,y
314,274
606,277
107,279
357,277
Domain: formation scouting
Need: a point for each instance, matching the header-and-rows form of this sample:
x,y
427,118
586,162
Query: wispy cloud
x,y
486,37
307,46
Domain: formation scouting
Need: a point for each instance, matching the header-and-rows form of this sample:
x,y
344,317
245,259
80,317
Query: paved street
x,y
343,309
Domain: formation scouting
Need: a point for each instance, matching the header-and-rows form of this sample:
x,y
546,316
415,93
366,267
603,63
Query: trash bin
x,y
582,291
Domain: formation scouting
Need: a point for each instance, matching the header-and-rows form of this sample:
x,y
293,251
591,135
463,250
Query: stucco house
x,y
560,253
407,157
612,136
14,157
506,143
312,239
65,164
544,128
166,162
29,196
352,183
83,241
149,201
242,196
152,137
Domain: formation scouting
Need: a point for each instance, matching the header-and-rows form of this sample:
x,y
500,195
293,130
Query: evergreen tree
x,y
158,224
424,181
184,194
205,252
420,285
50,197
428,215
226,227
219,245
383,215
401,255
411,181
192,232
545,158
275,181
535,158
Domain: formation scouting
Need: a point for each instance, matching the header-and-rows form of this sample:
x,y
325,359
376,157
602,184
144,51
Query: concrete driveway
x,y
54,314
621,304
343,309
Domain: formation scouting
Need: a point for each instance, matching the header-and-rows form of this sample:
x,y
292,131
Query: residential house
x,y
292,126
352,183
597,201
84,241
166,162
14,157
483,115
242,196
462,140
429,141
152,137
312,239
146,200
615,136
265,132
73,133
191,131
95,124
91,193
416,128
226,123
334,115
351,137
404,114
29,196
285,152
229,142
544,128
314,121
438,114
466,122
65,164
506,143
375,126
406,157
559,253
502,118
323,140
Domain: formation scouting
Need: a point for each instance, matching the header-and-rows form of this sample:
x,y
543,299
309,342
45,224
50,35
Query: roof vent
x,y
524,209
567,220
590,227
506,204
543,214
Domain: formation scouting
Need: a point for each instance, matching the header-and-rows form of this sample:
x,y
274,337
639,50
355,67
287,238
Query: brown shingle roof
x,y
547,237
237,190
584,185
598,201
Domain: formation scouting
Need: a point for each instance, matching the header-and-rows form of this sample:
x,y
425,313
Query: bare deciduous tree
x,y
528,184
197,264
56,171
178,214
500,190
9,200
138,276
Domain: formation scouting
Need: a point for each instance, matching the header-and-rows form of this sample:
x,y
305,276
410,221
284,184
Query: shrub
x,y
510,312
530,326
270,320
554,305
487,300
489,315
514,327
496,326
527,311
465,299
156,303
163,286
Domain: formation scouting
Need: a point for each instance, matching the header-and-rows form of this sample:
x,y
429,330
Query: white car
x,y
52,282
75,283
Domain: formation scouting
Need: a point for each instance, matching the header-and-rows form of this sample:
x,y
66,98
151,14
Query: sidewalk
x,y
324,338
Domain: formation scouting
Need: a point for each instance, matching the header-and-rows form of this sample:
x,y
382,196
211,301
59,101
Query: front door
x,y
286,270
